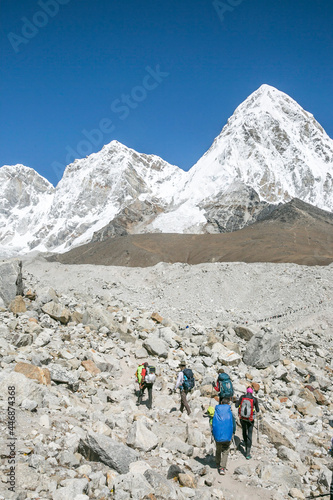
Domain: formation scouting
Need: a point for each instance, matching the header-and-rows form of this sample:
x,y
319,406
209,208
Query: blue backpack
x,y
188,383
222,425
225,385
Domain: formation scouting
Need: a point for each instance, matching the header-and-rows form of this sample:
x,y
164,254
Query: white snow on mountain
x,y
270,145
90,194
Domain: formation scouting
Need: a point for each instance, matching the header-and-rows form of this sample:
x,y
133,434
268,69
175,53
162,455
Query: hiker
x,y
247,405
223,428
223,385
185,382
146,377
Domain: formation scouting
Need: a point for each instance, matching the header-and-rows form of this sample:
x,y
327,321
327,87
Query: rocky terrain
x,y
69,347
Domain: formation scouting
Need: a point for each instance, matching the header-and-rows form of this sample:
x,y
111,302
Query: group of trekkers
x,y
221,418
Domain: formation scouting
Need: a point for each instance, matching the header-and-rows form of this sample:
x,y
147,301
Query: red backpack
x,y
245,410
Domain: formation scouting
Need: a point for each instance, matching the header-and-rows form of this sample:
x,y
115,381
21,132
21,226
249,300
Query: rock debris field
x,y
70,344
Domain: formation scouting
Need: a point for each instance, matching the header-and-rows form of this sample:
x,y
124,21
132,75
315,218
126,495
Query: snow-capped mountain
x,y
90,194
271,145
269,152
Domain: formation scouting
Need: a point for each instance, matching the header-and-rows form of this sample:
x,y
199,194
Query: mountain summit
x,y
269,152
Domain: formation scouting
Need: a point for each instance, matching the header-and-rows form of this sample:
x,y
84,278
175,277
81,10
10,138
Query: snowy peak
x,y
274,146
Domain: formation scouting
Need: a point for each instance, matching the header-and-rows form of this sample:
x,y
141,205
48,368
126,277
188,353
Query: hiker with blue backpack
x,y
247,405
223,385
223,428
185,383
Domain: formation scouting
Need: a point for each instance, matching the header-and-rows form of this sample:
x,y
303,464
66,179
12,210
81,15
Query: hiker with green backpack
x,y
185,383
146,377
247,405
223,385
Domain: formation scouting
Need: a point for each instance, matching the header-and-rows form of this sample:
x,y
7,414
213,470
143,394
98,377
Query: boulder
x,y
57,311
105,362
161,486
132,486
278,434
25,388
101,448
244,332
62,376
263,350
17,305
90,366
10,279
141,438
195,437
281,475
178,445
156,347
71,488
42,375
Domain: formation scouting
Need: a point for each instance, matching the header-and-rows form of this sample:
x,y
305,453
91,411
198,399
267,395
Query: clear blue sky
x,y
161,77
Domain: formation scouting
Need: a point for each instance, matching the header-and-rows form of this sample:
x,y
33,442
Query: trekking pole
x,y
320,496
258,440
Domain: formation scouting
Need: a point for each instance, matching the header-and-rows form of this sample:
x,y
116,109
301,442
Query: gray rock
x,y
68,459
57,311
10,272
98,447
71,488
161,486
21,339
263,350
156,347
141,438
281,475
131,486
179,445
60,375
245,332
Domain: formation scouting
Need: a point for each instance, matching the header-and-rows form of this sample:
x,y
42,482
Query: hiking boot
x,y
248,456
222,471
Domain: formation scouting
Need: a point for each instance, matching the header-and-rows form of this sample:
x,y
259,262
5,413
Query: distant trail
x,y
292,311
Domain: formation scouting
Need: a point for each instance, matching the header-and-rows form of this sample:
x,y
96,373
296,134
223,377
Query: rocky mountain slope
x,y
294,232
69,349
270,151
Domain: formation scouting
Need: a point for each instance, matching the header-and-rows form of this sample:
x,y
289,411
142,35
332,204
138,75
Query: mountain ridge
x,y
269,152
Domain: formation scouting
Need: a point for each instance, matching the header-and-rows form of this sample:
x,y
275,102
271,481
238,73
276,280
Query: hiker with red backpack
x,y
247,405
185,383
223,428
146,377
223,385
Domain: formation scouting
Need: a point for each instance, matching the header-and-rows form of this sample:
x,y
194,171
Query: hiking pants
x,y
222,450
247,428
149,387
183,402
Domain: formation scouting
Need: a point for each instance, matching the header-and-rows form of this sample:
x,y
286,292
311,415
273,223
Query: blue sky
x,y
161,77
